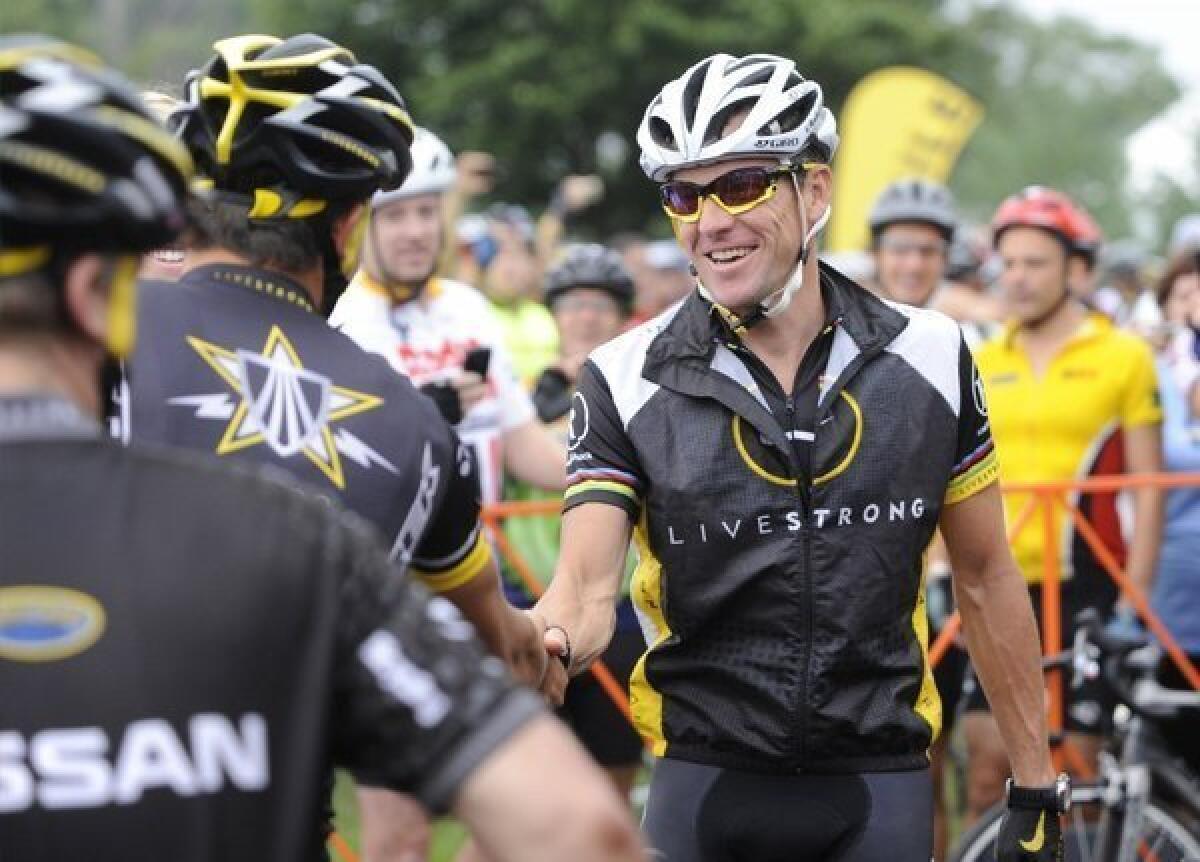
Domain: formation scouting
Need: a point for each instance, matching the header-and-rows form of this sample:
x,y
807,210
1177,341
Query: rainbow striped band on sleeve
x,y
973,473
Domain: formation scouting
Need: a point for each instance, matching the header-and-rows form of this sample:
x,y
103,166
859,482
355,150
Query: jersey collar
x,y
868,321
1094,325
44,417
266,282
432,290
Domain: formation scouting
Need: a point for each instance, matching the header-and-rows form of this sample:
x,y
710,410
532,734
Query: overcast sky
x,y
1167,144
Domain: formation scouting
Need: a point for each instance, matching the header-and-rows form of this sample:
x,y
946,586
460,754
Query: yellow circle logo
x,y
845,420
47,623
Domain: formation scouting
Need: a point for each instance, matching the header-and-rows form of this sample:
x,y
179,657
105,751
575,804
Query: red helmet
x,y
1038,206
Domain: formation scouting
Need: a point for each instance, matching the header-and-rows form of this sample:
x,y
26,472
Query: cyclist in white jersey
x,y
427,327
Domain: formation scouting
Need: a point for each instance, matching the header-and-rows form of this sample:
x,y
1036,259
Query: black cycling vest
x,y
232,361
185,647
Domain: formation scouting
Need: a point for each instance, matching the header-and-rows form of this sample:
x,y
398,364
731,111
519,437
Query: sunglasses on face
x,y
736,192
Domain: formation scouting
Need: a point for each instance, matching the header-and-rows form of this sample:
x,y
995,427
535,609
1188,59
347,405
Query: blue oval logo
x,y
47,623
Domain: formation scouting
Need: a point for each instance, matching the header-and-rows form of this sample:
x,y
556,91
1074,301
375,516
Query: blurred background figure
x,y
511,276
591,294
1123,294
663,279
1069,396
912,225
441,333
162,264
1185,236
1176,597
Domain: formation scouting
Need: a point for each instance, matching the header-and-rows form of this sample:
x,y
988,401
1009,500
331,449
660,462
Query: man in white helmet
x,y
785,444
442,333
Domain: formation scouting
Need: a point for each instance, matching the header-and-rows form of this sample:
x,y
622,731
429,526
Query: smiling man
x,y
806,438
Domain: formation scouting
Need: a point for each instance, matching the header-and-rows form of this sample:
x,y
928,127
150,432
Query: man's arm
x,y
1143,454
583,593
508,633
539,798
1001,634
532,455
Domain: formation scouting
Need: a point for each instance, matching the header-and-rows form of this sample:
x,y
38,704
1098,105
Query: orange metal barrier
x,y
1044,497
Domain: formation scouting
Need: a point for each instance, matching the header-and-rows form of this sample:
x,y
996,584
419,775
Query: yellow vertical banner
x,y
897,122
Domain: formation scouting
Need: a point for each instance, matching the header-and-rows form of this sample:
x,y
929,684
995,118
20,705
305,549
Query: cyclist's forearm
x,y
1003,642
1147,536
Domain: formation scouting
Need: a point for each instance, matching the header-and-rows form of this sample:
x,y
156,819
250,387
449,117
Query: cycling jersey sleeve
x,y
602,465
453,550
417,704
975,465
1140,404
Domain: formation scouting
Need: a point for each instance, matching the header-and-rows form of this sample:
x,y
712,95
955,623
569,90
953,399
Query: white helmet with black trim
x,y
914,199
785,115
432,172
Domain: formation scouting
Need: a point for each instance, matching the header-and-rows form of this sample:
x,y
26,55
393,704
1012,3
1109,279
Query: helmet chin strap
x,y
771,307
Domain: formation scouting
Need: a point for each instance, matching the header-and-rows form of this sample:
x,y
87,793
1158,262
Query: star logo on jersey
x,y
284,406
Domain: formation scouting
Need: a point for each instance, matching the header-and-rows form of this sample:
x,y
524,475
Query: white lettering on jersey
x,y
413,686
64,768
421,510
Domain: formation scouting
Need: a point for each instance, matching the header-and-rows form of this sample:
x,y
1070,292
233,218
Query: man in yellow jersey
x,y
1070,396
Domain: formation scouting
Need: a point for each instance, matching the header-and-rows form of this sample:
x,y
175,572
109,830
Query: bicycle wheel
x,y
1162,837
1079,838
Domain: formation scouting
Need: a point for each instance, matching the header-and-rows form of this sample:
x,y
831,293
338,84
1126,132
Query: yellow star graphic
x,y
245,429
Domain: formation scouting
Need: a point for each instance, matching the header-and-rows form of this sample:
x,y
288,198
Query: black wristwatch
x,y
1056,797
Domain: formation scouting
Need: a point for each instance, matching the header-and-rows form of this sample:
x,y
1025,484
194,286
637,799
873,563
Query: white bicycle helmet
x,y
684,125
433,169
914,200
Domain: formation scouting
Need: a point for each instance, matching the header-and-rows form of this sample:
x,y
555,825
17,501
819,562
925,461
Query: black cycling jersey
x,y
233,361
783,606
184,648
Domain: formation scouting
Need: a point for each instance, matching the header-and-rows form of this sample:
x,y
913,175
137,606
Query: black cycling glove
x,y
446,398
1030,835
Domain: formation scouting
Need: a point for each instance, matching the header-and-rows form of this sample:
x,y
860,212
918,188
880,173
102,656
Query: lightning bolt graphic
x,y
358,451
215,406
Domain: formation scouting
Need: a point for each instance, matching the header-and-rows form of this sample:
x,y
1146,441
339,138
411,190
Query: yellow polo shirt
x,y
1067,424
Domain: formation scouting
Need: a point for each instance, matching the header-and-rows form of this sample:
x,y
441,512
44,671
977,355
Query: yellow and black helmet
x,y
293,124
83,165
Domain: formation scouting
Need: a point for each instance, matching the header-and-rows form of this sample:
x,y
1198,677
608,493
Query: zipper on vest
x,y
803,494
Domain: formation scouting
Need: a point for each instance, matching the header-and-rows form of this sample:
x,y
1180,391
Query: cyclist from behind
x,y
294,136
183,646
782,445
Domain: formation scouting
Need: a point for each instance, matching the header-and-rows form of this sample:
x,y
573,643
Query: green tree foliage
x,y
536,82
1062,99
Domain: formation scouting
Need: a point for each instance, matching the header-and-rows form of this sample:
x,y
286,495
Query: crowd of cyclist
x,y
1088,356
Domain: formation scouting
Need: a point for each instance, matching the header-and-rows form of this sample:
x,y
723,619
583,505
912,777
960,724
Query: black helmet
x,y
589,265
914,200
294,124
84,166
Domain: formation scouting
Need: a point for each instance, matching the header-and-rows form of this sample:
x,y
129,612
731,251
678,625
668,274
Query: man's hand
x,y
1029,835
553,646
471,389
527,657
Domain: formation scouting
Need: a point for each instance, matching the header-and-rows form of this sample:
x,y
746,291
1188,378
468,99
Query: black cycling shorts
x,y
602,728
700,813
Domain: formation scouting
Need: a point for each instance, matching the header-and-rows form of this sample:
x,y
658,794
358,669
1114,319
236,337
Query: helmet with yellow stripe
x,y
84,166
293,125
